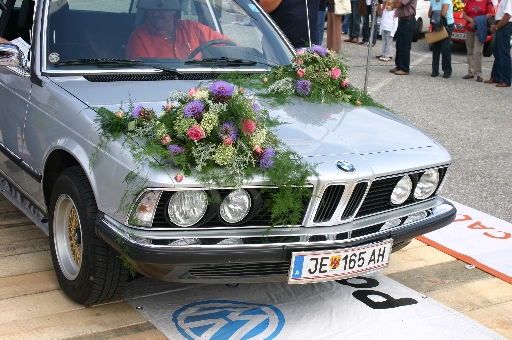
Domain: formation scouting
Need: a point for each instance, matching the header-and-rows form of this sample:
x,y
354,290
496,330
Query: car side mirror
x,y
10,55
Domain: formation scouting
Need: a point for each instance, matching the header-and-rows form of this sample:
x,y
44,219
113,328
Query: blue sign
x,y
298,264
224,319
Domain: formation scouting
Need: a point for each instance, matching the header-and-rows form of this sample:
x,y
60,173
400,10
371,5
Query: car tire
x,y
417,30
88,270
489,46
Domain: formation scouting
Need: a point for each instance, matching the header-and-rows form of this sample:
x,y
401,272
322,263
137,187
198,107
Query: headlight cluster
x,y
426,185
193,208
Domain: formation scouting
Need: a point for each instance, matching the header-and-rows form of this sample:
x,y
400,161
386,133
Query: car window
x,y
124,29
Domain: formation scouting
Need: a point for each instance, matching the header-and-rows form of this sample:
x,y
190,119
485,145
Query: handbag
x,y
342,7
435,36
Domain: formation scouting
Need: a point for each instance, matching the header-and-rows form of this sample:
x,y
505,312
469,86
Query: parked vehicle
x,y
459,34
422,19
376,189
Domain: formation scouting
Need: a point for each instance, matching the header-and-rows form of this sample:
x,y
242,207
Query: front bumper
x,y
253,262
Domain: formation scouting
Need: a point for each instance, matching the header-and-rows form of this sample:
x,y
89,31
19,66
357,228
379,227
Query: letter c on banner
x,y
504,237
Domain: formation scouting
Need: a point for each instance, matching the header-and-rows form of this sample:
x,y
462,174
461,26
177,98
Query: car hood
x,y
311,129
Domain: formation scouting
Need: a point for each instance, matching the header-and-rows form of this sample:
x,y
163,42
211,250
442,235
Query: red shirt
x,y
475,8
145,41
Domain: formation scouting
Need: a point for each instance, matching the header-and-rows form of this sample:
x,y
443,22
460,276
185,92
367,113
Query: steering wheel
x,y
208,44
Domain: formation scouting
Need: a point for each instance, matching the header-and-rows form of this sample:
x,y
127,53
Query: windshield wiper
x,y
223,61
114,62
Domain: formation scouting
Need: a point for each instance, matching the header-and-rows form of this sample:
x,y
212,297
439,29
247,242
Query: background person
x,y
354,23
501,68
405,11
333,29
474,47
364,9
322,14
442,46
388,26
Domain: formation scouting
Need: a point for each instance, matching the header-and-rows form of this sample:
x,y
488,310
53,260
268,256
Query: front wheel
x,y
489,47
87,269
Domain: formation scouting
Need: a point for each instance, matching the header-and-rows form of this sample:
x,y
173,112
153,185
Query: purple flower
x,y
303,87
136,111
193,109
266,160
175,149
320,50
255,106
228,130
221,88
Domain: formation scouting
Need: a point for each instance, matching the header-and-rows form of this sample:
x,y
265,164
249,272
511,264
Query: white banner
x,y
359,308
476,238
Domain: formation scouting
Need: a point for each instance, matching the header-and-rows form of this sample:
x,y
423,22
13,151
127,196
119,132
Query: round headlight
x,y
427,184
235,206
401,191
186,208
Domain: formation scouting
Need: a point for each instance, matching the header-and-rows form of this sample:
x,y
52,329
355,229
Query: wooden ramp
x,y
33,307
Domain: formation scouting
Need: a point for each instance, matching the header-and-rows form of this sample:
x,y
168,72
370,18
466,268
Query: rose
x,y
178,178
299,62
192,92
345,83
248,126
166,140
120,114
358,102
168,107
335,73
196,133
228,141
258,150
241,90
301,72
299,52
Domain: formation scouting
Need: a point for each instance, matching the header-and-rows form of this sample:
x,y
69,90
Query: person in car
x,y
164,36
475,47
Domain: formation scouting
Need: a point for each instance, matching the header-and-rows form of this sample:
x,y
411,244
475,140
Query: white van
x,y
422,19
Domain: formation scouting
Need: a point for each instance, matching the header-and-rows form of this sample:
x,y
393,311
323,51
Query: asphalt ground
x,y
472,120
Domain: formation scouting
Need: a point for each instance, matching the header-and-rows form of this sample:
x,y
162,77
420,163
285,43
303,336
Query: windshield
x,y
173,34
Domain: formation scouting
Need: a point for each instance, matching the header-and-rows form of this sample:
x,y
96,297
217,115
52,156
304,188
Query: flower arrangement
x,y
458,5
221,135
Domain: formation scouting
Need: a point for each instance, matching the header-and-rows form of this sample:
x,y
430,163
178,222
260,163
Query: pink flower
x,y
335,73
299,52
264,79
196,133
168,107
241,90
178,178
358,102
258,150
228,141
248,126
299,61
192,92
166,140
301,72
345,83
120,114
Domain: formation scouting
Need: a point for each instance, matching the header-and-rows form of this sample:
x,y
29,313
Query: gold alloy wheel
x,y
67,235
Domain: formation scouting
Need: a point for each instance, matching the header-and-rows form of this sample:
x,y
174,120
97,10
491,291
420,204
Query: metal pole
x,y
374,10
307,17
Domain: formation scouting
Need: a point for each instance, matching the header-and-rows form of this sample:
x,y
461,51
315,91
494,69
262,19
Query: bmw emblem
x,y
345,166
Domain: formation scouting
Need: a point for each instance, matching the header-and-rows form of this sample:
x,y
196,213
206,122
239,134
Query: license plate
x,y
461,36
338,264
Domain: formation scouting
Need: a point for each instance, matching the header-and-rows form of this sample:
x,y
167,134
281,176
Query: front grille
x,y
105,78
355,200
241,269
329,202
366,231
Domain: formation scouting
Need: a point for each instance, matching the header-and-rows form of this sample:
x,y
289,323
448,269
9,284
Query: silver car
x,y
378,180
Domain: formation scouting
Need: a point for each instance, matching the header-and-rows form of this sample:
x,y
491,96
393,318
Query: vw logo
x,y
224,319
345,166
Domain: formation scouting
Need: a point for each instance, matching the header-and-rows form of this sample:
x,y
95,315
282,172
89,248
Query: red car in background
x,y
459,34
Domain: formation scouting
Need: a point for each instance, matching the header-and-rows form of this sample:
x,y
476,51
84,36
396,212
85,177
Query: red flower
x,y
335,73
166,140
228,141
301,72
196,133
178,178
241,90
248,126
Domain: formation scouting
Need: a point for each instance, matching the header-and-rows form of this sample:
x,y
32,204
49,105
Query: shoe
x,y
348,40
385,59
434,74
502,85
354,40
361,43
479,79
490,81
378,56
373,45
344,32
468,76
393,70
401,73
446,76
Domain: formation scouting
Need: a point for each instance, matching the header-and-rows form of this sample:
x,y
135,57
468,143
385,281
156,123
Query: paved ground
x,y
469,118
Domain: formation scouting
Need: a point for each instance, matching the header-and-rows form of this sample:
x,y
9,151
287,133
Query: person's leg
x,y
344,26
407,43
495,72
375,30
478,49
399,45
436,52
330,30
336,27
366,28
471,48
503,49
321,23
387,40
355,21
447,53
